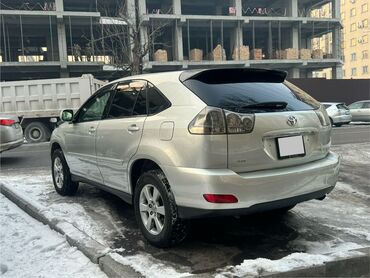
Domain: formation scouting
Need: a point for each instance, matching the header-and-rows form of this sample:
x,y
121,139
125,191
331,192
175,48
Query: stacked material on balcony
x,y
305,54
218,54
317,54
288,54
160,55
256,54
196,55
241,53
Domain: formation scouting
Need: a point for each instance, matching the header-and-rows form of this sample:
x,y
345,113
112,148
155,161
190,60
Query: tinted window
x,y
342,106
366,105
235,96
94,109
356,105
128,100
157,102
327,106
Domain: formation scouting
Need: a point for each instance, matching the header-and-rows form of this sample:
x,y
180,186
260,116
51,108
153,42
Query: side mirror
x,y
66,115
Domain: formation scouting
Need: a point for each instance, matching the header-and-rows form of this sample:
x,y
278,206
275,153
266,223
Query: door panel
x,y
118,136
117,141
80,143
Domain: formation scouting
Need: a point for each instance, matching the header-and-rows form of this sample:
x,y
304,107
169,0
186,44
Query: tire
x,y
174,229
37,132
338,125
62,179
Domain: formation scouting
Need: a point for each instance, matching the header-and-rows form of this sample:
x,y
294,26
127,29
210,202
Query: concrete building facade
x,y
52,38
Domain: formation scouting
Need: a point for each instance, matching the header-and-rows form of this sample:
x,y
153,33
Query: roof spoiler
x,y
234,75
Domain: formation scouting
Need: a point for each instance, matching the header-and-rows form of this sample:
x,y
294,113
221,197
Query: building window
x,y
365,55
344,73
365,70
353,57
365,23
342,15
353,42
353,71
353,12
365,39
353,27
364,8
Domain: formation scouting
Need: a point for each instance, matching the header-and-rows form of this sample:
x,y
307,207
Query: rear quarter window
x,y
235,96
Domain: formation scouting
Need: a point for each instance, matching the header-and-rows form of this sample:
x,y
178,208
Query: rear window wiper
x,y
267,105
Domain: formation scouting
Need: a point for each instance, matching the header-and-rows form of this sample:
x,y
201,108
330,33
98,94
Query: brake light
x,y
6,122
212,121
220,198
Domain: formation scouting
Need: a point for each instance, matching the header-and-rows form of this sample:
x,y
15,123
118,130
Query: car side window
x,y
357,105
94,109
366,105
129,100
156,101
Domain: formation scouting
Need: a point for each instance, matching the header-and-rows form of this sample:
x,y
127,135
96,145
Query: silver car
x,y
191,144
11,134
338,112
360,111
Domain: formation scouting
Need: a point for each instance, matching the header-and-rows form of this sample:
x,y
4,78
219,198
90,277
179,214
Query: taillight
x,y
220,198
323,116
6,122
209,121
237,123
212,121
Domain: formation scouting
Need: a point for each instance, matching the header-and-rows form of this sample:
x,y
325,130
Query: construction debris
x,y
160,55
241,53
305,54
196,55
317,54
256,54
218,54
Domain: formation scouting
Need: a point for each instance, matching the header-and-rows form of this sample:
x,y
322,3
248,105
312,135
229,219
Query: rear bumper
x,y
255,191
342,119
11,145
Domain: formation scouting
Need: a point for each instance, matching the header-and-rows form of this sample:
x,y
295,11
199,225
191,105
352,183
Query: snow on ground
x,y
337,224
31,249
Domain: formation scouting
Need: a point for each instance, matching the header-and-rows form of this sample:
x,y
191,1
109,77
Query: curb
x,y
357,265
95,251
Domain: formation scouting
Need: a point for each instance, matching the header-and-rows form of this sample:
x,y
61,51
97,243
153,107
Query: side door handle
x,y
92,130
133,128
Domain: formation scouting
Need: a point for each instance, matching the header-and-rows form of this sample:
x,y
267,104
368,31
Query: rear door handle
x,y
92,130
133,128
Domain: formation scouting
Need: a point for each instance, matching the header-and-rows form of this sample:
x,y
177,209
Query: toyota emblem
x,y
292,121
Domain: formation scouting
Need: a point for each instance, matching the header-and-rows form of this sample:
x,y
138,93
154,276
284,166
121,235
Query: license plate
x,y
292,146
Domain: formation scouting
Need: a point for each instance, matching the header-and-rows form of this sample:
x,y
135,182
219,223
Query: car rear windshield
x,y
342,106
250,97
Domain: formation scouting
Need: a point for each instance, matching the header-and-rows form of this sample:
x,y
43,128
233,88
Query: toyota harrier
x,y
192,144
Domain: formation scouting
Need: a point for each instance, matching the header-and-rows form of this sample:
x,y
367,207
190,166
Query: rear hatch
x,y
289,127
10,129
343,109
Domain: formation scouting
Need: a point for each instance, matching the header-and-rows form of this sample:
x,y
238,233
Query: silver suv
x,y
191,144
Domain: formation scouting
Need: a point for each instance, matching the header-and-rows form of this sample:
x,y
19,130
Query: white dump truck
x,y
38,103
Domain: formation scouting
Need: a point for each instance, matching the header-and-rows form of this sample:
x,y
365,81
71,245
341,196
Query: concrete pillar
x,y
178,43
293,8
335,7
64,73
295,36
238,7
59,5
308,73
294,73
176,4
336,43
142,6
62,43
337,72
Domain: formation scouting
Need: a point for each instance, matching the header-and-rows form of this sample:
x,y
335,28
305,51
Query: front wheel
x,y
156,210
62,179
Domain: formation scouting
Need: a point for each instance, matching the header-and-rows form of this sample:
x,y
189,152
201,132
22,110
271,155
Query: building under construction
x,y
57,38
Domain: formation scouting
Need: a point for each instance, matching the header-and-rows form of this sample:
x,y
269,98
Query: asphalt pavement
x,y
36,156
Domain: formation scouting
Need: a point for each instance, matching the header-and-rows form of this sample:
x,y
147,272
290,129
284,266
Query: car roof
x,y
361,101
332,103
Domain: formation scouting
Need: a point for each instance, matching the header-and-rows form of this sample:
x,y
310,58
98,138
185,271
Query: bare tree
x,y
127,38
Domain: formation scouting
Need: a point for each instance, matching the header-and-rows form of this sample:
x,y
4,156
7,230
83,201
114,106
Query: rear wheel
x,y
37,132
338,125
156,210
62,179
